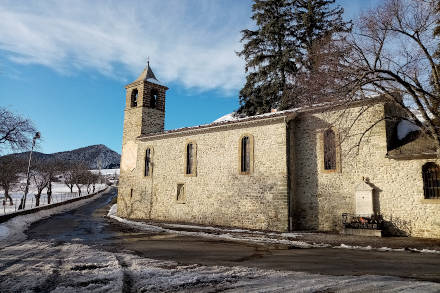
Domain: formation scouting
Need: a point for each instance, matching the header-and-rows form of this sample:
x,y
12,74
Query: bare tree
x,y
40,177
53,168
390,53
67,169
16,132
96,178
69,180
80,175
393,52
91,180
10,169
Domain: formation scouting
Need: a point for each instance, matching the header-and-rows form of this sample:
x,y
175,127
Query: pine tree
x,y
269,52
281,46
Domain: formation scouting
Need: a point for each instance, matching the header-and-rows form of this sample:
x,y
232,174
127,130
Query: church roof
x,y
148,75
417,145
235,119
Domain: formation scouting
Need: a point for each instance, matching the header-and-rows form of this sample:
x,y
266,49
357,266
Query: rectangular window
x,y
180,196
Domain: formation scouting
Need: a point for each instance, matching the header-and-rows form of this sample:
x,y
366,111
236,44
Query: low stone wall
x,y
7,217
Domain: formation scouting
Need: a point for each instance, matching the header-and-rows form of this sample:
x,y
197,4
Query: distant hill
x,y
92,155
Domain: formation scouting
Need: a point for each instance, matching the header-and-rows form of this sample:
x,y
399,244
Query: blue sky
x,y
64,64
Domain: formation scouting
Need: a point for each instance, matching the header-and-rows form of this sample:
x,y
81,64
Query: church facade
x,y
298,169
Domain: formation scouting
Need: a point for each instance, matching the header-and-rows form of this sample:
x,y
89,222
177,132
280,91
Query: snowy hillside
x,y
94,155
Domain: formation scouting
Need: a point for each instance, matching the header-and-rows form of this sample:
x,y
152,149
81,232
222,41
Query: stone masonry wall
x,y
322,197
218,194
137,121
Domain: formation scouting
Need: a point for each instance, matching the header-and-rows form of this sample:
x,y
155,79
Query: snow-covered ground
x,y
60,192
243,235
106,171
54,267
40,266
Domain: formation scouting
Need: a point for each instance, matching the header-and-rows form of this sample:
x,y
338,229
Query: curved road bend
x,y
89,225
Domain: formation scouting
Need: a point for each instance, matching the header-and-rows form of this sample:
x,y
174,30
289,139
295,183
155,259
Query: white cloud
x,y
192,42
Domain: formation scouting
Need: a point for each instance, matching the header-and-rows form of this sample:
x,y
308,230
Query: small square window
x,y
180,196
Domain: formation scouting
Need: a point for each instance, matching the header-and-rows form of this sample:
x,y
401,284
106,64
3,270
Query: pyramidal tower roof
x,y
148,75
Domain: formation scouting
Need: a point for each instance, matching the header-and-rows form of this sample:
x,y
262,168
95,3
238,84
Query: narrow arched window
x,y
190,159
153,98
147,162
431,180
245,155
134,98
329,150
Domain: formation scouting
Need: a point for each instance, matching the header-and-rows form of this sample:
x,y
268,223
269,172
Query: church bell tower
x,y
145,106
144,112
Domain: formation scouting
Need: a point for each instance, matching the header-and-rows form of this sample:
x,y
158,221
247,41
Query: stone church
x,y
299,169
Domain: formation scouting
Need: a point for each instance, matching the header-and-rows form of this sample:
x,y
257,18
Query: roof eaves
x,y
273,115
213,126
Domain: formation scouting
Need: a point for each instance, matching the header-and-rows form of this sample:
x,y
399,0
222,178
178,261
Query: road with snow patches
x,y
83,250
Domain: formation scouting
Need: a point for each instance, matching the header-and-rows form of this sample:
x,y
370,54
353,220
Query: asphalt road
x,y
89,225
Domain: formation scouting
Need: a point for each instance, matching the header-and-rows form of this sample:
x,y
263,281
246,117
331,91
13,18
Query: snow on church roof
x,y
404,128
227,117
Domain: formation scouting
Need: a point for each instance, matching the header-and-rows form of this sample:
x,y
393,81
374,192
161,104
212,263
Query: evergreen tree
x,y
269,52
281,46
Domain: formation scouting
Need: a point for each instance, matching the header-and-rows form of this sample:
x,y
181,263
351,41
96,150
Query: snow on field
x,y
12,230
244,235
106,171
55,267
60,192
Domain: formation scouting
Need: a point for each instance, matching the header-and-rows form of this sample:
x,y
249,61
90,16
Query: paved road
x,y
89,225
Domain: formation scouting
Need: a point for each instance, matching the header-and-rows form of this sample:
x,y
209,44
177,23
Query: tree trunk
x,y
21,206
49,192
37,199
79,190
7,196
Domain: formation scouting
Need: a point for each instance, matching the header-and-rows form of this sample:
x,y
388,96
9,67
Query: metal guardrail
x,y
6,208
